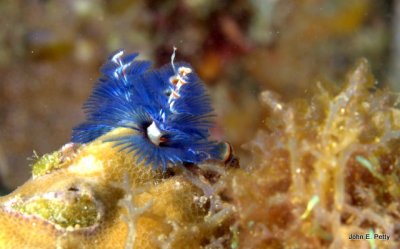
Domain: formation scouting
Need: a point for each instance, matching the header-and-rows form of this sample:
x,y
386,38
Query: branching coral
x,y
132,211
325,168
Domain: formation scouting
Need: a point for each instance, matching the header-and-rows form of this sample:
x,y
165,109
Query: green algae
x,y
46,163
79,212
311,204
371,168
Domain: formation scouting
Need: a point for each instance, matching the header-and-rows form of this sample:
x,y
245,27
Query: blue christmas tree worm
x,y
167,110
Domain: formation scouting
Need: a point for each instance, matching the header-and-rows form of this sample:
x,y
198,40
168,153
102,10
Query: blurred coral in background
x,y
51,51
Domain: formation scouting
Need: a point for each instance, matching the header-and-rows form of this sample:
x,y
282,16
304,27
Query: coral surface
x,y
97,197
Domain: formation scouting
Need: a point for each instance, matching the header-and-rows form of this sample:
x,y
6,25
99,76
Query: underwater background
x,y
304,91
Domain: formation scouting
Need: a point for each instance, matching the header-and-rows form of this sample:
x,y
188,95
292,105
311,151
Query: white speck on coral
x,y
178,185
87,165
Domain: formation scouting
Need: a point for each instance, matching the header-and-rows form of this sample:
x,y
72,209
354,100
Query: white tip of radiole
x,y
117,56
177,81
117,60
172,59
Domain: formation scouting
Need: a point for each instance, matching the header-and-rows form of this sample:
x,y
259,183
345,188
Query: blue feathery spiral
x,y
167,109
